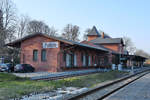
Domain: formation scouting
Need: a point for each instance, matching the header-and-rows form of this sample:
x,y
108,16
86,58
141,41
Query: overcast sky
x,y
118,18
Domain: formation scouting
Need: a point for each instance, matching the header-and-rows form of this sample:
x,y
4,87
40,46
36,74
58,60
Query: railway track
x,y
64,76
104,90
47,77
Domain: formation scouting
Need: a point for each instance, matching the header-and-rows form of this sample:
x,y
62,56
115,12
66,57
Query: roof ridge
x,y
94,31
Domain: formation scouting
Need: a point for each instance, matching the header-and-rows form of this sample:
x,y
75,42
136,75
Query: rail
x,y
98,88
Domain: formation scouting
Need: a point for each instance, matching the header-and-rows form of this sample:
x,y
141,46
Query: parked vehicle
x,y
8,67
24,68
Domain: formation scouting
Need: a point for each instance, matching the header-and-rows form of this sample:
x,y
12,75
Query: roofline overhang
x,y
17,43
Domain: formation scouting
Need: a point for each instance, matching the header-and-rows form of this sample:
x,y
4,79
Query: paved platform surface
x,y
138,90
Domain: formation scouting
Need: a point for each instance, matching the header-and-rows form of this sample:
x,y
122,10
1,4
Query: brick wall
x,y
29,45
115,47
79,51
92,38
54,56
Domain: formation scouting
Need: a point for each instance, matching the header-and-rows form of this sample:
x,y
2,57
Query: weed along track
x,y
68,74
27,89
104,90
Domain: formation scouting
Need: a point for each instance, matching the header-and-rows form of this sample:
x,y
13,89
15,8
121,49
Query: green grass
x,y
12,86
9,77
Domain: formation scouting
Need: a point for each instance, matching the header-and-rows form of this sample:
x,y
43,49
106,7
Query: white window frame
x,y
68,60
89,61
75,60
84,60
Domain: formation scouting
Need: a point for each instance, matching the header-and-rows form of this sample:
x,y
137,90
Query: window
x,y
89,63
84,60
43,55
35,55
92,59
100,61
75,60
68,60
105,60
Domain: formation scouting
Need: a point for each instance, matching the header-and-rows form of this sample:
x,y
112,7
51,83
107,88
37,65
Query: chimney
x,y
102,34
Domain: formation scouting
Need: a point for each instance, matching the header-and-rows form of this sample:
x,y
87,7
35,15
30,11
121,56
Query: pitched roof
x,y
137,57
17,43
94,32
106,40
100,46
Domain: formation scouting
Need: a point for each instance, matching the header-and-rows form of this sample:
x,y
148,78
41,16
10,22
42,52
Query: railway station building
x,y
53,54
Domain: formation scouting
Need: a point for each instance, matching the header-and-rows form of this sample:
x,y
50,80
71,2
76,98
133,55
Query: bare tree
x,y
9,16
22,26
129,46
53,31
71,32
142,53
7,26
8,21
1,29
50,30
1,20
35,26
87,31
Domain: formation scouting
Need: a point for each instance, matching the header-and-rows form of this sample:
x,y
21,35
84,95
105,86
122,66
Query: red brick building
x,y
48,53
115,44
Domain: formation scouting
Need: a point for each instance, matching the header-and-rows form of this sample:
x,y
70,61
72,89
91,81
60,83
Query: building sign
x,y
122,58
50,44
